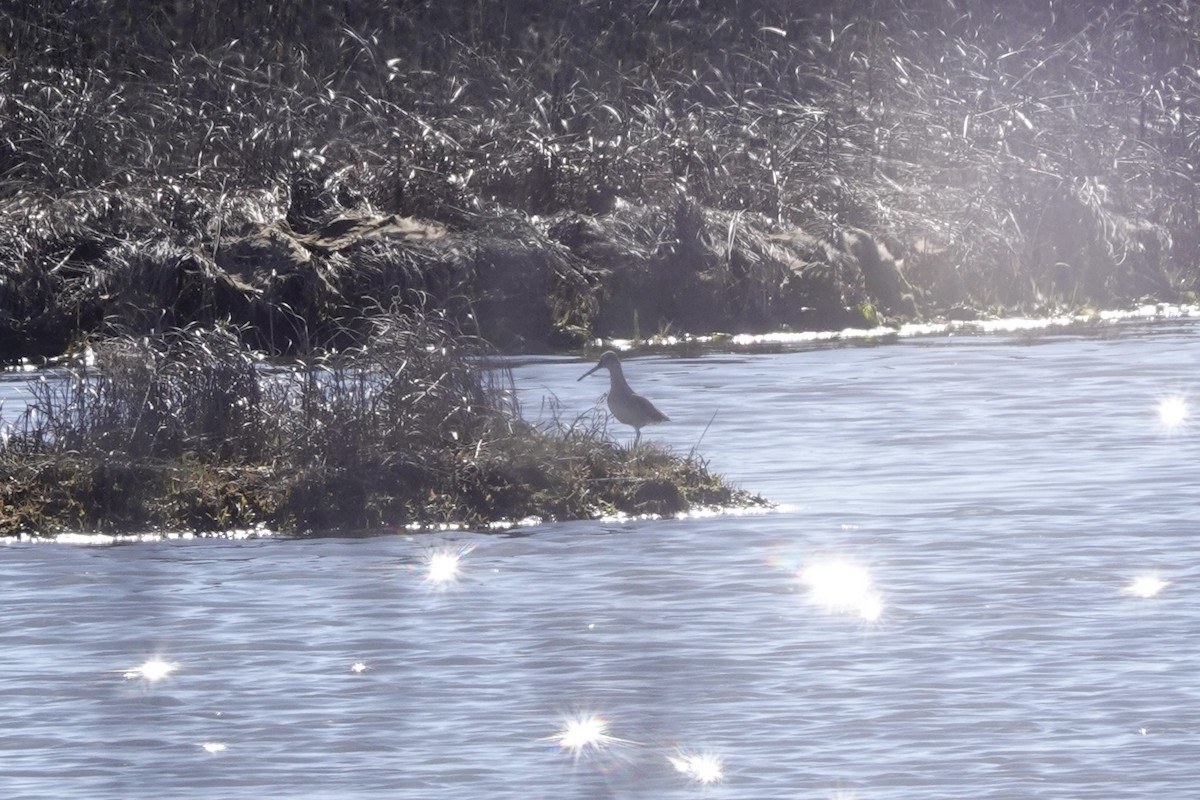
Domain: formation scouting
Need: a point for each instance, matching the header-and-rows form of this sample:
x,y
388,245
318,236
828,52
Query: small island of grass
x,y
415,426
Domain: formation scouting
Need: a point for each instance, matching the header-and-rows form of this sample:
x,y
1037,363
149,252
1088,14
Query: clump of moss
x,y
413,425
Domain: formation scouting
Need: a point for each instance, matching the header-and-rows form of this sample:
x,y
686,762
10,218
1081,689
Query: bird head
x,y
607,361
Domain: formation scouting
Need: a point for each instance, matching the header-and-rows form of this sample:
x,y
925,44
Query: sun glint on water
x,y
1146,586
444,565
704,768
1173,411
155,669
585,733
842,587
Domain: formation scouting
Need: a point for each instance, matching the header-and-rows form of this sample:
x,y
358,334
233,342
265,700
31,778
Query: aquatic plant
x,y
416,424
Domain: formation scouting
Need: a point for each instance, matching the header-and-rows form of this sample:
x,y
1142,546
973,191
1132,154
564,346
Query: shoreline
x,y
1148,312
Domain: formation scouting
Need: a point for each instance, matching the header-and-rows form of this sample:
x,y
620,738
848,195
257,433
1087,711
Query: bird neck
x,y
616,379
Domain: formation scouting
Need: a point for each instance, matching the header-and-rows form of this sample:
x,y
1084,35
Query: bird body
x,y
626,405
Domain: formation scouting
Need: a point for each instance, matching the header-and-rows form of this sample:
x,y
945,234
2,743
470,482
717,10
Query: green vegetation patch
x,y
415,425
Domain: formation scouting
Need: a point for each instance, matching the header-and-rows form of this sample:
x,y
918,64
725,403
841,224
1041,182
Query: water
x,y
945,607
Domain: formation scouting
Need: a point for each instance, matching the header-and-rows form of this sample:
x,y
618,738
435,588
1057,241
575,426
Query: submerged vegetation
x,y
411,427
546,172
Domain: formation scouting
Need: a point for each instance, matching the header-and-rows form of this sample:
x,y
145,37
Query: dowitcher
x,y
625,404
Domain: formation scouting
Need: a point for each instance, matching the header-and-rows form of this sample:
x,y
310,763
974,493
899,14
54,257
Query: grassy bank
x,y
552,171
190,431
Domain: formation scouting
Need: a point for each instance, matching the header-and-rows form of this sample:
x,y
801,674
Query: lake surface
x,y
984,582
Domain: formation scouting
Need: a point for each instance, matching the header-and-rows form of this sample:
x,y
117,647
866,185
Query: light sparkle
x,y
841,587
705,768
1173,411
155,669
443,566
1146,586
584,733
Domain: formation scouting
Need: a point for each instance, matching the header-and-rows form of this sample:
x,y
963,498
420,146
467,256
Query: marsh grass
x,y
415,425
1023,158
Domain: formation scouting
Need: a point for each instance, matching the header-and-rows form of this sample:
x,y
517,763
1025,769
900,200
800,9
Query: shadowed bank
x,y
545,173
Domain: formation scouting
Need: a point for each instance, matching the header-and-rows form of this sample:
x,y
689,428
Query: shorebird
x,y
625,405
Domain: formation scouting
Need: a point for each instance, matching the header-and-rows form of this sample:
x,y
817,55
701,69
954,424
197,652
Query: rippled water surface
x,y
984,582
